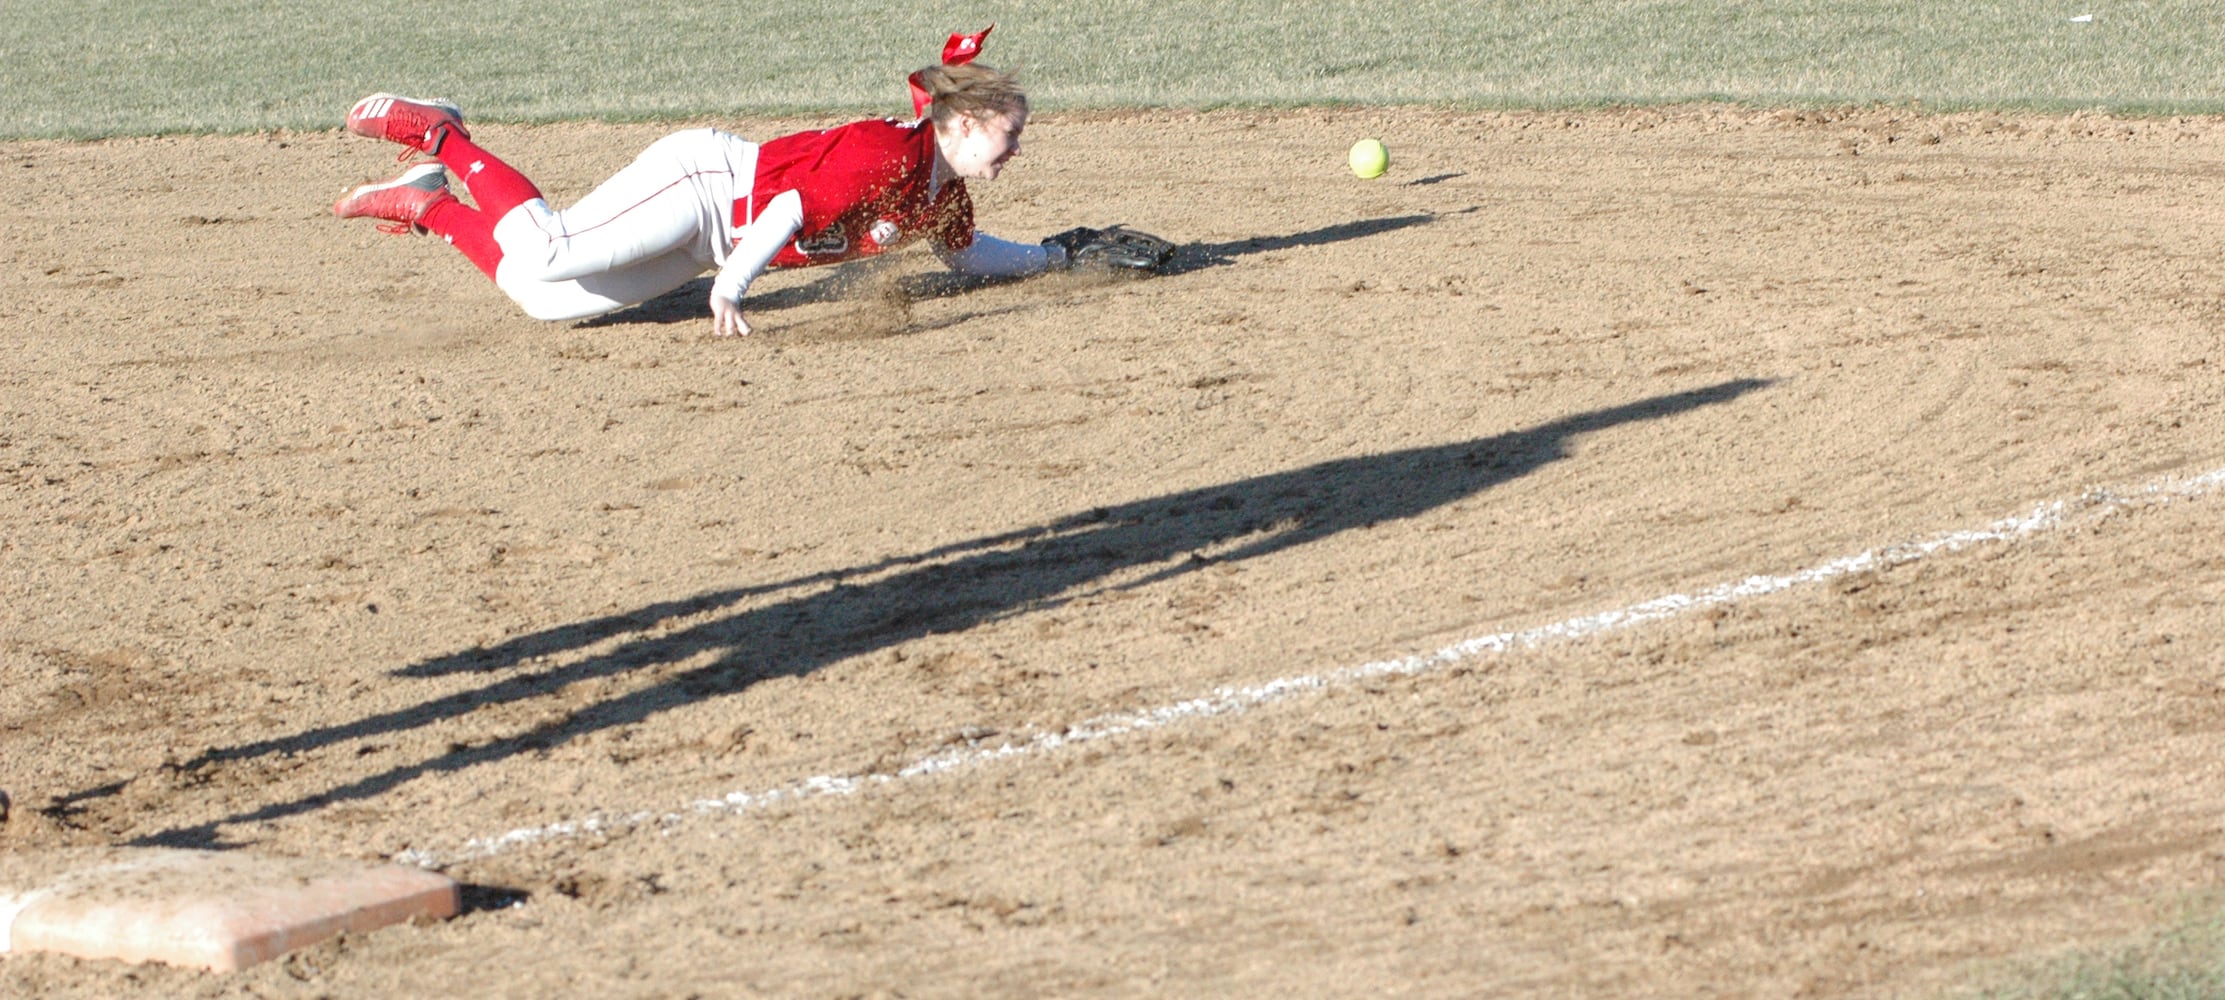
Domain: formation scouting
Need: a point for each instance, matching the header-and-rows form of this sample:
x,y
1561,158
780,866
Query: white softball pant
x,y
652,227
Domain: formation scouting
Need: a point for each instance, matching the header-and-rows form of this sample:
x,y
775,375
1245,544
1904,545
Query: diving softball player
x,y
704,199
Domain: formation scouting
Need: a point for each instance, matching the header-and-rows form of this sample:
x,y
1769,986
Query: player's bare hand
x,y
726,318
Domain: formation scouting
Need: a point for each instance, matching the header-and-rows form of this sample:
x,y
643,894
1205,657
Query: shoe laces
x,y
426,130
414,226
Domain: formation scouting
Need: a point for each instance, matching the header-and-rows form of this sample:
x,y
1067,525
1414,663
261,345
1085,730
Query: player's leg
x,y
678,195
647,230
655,205
498,187
596,294
650,228
435,127
419,198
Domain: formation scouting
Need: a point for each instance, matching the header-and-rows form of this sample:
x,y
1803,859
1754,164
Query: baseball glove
x,y
1116,249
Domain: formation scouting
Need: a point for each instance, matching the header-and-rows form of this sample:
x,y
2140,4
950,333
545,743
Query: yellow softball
x,y
1369,158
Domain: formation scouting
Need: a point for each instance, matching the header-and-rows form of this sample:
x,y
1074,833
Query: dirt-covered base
x,y
313,545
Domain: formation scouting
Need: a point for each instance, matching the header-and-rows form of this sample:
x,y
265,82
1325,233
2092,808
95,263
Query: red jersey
x,y
866,188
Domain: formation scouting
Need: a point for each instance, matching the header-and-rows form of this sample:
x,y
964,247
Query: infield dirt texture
x,y
312,544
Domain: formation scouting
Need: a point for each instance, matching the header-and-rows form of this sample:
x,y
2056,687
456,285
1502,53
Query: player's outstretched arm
x,y
990,257
1116,249
760,242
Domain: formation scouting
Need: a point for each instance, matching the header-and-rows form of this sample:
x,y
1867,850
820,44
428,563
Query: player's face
x,y
978,148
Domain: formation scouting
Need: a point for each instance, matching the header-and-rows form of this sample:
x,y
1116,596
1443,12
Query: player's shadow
x,y
850,282
739,636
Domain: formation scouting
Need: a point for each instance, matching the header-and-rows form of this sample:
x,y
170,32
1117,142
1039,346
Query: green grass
x,y
2184,961
110,67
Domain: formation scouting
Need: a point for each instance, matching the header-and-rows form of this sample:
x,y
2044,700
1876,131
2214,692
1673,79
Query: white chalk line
x,y
1228,701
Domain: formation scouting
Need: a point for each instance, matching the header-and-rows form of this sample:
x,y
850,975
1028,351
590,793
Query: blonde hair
x,y
970,89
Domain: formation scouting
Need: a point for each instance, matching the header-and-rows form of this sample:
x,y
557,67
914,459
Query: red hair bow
x,y
958,51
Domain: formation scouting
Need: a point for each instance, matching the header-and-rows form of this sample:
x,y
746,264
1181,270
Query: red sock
x,y
495,185
467,229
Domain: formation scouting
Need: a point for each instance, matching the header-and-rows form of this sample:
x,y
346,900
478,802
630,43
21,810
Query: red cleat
x,y
418,124
402,201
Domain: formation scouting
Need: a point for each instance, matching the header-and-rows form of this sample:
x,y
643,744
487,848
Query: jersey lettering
x,y
828,243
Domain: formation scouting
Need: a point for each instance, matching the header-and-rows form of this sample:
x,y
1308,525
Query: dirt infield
x,y
313,545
